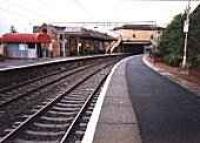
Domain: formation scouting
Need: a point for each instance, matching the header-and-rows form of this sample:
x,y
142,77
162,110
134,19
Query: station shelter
x,y
23,45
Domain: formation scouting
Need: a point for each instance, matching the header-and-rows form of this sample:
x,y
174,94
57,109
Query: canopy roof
x,y
26,38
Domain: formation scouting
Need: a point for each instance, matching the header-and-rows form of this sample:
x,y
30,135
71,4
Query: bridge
x,y
134,38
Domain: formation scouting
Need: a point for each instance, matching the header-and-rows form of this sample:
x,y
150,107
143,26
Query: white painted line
x,y
150,65
91,127
159,70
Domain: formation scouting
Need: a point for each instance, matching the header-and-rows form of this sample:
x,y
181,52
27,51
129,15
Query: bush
x,y
156,54
194,39
172,41
172,59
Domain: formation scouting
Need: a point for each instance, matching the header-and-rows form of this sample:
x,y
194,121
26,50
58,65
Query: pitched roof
x,y
25,38
88,33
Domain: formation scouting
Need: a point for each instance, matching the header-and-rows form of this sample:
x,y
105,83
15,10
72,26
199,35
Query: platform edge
x,y
91,127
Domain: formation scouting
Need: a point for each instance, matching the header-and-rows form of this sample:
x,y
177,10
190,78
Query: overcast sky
x,y
23,14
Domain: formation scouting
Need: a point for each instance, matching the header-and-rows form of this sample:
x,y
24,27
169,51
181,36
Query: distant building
x,y
23,45
90,41
71,41
134,36
139,33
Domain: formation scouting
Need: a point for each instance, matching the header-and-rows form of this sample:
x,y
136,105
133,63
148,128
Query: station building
x,y
23,45
72,41
136,37
54,41
87,41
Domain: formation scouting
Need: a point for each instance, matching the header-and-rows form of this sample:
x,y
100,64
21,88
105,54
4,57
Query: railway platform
x,y
113,119
140,105
10,64
17,63
21,63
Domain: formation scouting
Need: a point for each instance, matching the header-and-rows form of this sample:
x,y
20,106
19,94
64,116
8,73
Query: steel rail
x,y
31,118
43,86
66,135
4,89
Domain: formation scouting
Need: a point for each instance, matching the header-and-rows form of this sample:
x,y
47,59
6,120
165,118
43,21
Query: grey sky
x,y
26,13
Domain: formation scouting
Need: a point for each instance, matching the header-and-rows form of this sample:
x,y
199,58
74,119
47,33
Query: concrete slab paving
x,y
117,122
116,133
117,113
117,99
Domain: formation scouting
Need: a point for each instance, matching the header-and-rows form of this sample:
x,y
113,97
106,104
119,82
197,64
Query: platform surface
x,y
117,122
141,105
167,112
17,63
10,64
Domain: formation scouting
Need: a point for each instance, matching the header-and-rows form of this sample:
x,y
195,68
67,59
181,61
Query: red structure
x,y
24,45
26,38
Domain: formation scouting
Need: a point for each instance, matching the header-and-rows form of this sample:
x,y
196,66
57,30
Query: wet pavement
x,y
166,112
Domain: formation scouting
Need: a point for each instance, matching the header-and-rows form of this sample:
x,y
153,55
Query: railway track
x,y
56,118
15,93
15,113
39,76
17,78
14,78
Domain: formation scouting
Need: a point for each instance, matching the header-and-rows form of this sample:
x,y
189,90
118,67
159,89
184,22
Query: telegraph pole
x,y
186,29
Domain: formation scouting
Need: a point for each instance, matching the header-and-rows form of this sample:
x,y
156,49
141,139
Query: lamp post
x,y
186,29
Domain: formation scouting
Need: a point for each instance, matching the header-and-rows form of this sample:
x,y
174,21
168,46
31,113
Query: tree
x,y
12,29
172,40
194,39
